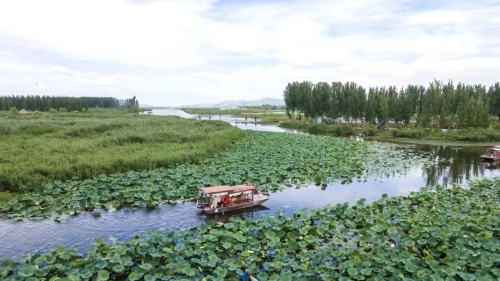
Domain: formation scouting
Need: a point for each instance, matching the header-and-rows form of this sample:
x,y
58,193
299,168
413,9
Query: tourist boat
x,y
221,199
492,154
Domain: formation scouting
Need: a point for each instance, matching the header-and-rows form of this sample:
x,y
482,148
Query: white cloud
x,y
190,51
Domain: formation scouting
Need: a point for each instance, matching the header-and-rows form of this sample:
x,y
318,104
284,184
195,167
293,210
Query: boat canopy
x,y
225,189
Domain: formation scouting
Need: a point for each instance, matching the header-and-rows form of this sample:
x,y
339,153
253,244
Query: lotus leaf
x,y
271,161
442,234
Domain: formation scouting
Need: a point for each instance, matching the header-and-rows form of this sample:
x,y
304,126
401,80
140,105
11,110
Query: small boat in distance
x,y
221,199
492,154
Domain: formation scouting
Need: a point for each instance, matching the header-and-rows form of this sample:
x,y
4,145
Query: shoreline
x,y
430,141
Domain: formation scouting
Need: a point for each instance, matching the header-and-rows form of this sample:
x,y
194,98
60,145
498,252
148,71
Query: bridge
x,y
241,118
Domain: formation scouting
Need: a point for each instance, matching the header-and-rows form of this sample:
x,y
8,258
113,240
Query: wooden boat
x,y
492,154
221,199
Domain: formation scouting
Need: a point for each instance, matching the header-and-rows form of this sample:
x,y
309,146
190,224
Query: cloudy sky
x,y
175,52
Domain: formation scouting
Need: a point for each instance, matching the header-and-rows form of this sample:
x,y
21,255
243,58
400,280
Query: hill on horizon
x,y
238,103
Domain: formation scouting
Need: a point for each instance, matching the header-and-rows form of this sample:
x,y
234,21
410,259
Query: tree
x,y
444,105
494,99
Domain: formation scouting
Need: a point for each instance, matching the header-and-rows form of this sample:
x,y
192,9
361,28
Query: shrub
x,y
410,133
63,110
13,111
369,130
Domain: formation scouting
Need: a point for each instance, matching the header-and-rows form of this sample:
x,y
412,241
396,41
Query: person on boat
x,y
215,202
225,200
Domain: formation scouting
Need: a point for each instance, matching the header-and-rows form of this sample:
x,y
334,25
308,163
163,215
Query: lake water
x,y
20,238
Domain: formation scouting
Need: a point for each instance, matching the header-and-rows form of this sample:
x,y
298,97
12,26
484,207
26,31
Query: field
x,y
38,149
271,161
442,234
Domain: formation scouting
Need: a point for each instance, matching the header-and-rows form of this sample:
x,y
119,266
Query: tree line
x,y
440,104
264,107
45,103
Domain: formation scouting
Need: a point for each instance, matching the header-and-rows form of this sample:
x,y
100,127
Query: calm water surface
x,y
20,238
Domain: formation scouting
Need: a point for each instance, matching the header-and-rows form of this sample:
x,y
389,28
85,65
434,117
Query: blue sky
x,y
176,52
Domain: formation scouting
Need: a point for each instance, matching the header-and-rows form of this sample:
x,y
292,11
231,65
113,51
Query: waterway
x,y
459,165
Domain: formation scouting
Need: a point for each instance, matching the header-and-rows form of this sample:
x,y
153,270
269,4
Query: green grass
x,y
39,149
6,196
470,134
271,161
333,130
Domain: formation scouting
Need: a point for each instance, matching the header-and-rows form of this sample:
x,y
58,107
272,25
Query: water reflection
x,y
459,165
248,124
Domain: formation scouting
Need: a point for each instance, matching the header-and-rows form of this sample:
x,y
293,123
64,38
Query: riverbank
x,y
430,233
271,161
44,147
489,136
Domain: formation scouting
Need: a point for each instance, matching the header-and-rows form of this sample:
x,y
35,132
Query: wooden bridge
x,y
243,118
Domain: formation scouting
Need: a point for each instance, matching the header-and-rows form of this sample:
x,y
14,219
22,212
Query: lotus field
x,y
444,234
271,161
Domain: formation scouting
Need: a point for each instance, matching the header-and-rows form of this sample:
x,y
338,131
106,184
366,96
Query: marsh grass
x,y
469,134
42,148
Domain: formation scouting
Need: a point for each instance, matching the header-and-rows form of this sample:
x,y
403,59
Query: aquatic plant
x,y
442,234
41,149
271,161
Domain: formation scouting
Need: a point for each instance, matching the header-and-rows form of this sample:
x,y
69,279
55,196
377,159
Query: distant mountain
x,y
237,103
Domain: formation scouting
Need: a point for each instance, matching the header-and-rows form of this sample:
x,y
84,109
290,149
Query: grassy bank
x,y
334,130
447,234
470,135
271,161
37,149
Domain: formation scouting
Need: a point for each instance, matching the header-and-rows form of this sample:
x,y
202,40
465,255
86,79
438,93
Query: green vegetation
x,y
38,149
45,103
334,130
439,106
233,111
442,234
264,114
368,130
470,134
271,161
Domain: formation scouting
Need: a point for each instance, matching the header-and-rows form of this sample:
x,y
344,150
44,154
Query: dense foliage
x,y
468,134
269,160
446,234
441,105
45,103
42,148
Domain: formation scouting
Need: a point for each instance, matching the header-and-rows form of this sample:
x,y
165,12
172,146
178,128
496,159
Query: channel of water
x,y
17,239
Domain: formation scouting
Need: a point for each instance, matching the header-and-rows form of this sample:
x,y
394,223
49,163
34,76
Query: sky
x,y
178,52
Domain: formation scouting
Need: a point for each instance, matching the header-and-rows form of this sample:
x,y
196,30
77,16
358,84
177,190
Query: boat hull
x,y
488,158
230,208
